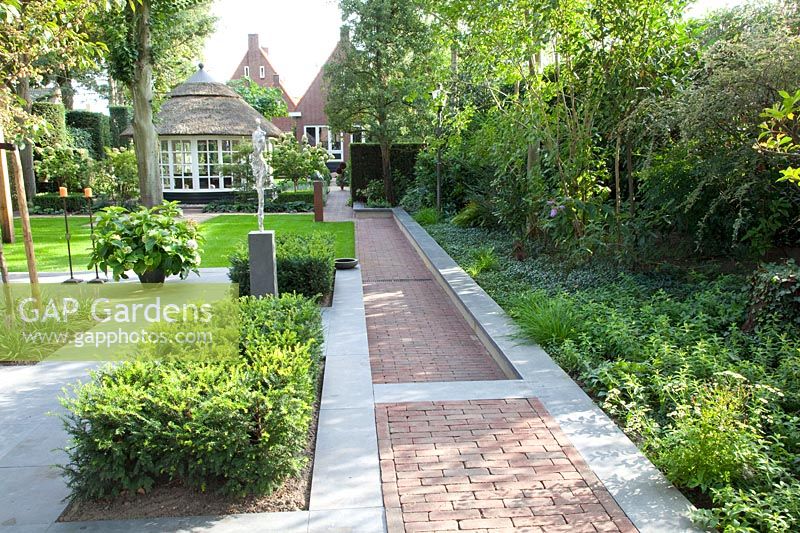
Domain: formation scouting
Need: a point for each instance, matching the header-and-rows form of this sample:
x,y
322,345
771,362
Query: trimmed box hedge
x,y
234,427
366,166
305,264
52,202
55,117
97,124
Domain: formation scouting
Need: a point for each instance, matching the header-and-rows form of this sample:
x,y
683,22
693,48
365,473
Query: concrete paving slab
x,y
31,495
439,391
346,468
293,522
348,521
348,383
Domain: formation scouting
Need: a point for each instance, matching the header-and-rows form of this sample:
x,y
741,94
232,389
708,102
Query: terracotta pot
x,y
153,276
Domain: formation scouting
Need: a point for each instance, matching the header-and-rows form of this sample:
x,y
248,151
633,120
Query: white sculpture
x,y
260,169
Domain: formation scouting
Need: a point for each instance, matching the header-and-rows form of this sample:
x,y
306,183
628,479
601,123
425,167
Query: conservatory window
x,y
322,136
182,176
196,164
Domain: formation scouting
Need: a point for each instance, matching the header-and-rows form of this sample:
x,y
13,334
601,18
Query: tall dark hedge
x,y
55,116
120,118
97,124
365,165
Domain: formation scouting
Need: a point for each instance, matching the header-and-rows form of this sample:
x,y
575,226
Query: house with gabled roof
x,y
306,115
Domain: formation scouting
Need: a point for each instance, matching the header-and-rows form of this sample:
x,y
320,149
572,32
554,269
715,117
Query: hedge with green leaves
x,y
120,118
234,427
54,116
366,166
52,202
97,124
305,264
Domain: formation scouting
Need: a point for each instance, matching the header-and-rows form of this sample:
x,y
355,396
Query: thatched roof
x,y
202,106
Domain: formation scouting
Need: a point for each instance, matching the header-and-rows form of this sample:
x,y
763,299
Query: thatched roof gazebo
x,y
200,123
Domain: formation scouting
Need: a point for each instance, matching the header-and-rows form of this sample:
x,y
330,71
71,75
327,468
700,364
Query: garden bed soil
x,y
175,500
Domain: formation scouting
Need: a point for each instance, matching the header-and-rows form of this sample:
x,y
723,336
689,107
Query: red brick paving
x,y
415,333
487,465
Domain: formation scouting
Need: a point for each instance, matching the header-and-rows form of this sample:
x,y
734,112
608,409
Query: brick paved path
x,y
336,208
488,465
480,465
415,333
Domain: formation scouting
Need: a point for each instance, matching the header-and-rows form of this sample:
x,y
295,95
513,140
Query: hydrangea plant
x,y
147,241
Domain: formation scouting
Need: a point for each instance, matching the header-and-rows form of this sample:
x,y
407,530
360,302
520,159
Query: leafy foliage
x,y
297,161
146,240
305,265
266,100
236,427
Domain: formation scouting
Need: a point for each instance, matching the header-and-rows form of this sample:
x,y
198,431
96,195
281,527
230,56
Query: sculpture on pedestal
x,y
261,171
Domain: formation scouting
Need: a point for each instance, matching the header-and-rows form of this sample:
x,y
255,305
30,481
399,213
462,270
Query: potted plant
x,y
153,243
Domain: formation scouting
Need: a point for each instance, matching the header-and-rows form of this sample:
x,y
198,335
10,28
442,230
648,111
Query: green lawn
x,y
50,245
225,233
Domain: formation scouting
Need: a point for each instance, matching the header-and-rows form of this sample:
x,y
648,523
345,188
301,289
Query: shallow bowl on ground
x,y
345,263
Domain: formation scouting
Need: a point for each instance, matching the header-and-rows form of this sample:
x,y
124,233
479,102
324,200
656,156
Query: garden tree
x,y
379,72
722,191
149,43
781,133
297,160
34,31
266,100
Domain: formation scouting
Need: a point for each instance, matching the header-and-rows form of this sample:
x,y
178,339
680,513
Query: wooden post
x,y
319,207
22,205
6,207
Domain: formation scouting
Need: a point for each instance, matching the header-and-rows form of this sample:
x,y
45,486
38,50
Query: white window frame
x,y
262,72
335,155
168,181
247,71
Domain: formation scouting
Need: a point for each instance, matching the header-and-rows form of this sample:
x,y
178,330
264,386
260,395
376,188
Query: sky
x,y
299,34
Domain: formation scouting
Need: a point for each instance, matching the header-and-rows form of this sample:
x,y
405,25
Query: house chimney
x,y
344,33
252,41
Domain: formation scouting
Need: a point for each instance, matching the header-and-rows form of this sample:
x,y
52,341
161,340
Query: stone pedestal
x,y
263,266
319,205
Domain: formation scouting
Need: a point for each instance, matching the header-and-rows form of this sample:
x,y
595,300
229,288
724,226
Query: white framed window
x,y
322,136
196,164
262,72
247,71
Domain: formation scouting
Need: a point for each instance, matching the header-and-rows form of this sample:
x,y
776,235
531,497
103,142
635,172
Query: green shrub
x,y
366,167
48,203
427,216
483,259
79,139
775,294
476,214
118,179
416,199
545,319
295,196
305,265
64,166
97,124
235,427
54,116
120,117
375,194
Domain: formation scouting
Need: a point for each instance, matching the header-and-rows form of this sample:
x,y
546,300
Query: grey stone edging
x,y
346,490
651,502
362,211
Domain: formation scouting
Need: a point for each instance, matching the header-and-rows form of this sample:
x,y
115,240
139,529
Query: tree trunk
x,y
386,170
26,154
67,91
115,94
631,184
617,191
144,132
